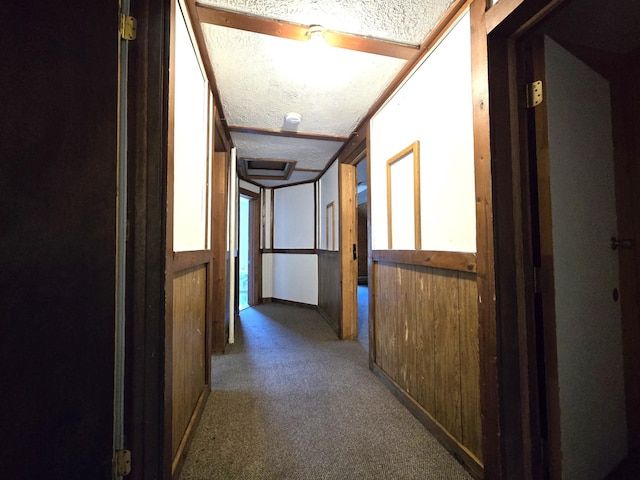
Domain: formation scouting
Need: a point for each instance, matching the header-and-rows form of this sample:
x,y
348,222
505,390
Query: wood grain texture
x,y
183,448
295,31
406,329
188,356
348,242
186,260
425,340
329,294
287,134
462,261
486,282
469,364
219,201
167,451
426,328
147,138
385,305
447,351
449,442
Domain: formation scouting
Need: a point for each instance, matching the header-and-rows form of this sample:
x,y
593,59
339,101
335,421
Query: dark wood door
x,y
58,149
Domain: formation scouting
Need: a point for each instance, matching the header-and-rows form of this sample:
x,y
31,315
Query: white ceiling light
x,y
315,34
292,118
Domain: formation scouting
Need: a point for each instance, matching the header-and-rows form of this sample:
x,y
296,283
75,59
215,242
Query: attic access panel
x,y
265,168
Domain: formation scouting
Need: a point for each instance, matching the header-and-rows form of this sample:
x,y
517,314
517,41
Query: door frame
x,y
255,258
354,151
523,416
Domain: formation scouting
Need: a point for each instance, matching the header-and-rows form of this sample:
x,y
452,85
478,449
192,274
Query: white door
x,y
592,423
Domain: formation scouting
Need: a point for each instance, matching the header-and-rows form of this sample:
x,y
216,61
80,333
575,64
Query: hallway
x,y
291,401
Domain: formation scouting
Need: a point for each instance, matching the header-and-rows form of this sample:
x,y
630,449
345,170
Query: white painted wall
x,y
295,278
265,221
328,192
233,241
190,144
291,276
293,217
433,106
588,324
267,275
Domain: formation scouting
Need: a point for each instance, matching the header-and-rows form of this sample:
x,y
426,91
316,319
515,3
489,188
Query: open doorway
x,y
249,262
243,254
363,252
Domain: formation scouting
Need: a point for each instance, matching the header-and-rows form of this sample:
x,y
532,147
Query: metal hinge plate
x,y
534,94
122,460
128,27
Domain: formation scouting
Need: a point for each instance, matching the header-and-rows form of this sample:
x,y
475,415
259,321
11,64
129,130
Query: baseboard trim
x,y
183,448
459,451
293,303
335,325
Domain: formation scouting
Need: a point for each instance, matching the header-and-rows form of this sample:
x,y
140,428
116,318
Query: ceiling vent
x,y
265,168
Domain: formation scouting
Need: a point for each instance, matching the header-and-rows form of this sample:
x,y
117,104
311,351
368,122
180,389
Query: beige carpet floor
x,y
291,401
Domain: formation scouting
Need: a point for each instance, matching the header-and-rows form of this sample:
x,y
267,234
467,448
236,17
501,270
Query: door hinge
x,y
128,26
122,460
534,94
537,280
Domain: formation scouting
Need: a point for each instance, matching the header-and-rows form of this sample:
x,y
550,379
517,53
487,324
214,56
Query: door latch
x,y
616,244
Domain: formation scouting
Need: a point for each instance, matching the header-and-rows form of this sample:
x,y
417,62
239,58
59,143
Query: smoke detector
x,y
292,118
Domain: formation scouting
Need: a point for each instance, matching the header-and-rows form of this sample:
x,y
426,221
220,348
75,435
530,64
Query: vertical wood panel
x,y
167,453
425,340
385,319
447,351
470,365
486,282
219,249
426,328
406,328
188,359
329,296
348,241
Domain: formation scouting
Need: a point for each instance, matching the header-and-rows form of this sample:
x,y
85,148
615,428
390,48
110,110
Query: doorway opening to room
x,y
249,262
363,253
243,254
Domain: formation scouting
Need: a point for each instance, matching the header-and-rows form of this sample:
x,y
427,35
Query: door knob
x,y
616,244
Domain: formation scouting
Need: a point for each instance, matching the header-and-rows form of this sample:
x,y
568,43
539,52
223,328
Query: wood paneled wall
x,y
329,294
188,365
426,341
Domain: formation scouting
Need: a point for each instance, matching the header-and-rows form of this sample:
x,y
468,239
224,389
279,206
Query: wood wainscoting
x,y
329,292
189,368
426,344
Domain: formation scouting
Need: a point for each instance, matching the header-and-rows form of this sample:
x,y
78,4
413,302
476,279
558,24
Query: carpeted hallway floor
x,y
291,401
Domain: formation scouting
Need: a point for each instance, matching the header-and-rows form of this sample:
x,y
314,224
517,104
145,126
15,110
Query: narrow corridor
x,y
291,401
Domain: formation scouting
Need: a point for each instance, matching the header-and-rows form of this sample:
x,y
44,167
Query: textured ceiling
x,y
407,21
332,88
260,78
310,154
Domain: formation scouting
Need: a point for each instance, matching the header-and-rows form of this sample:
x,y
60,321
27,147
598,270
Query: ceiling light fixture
x,y
315,34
